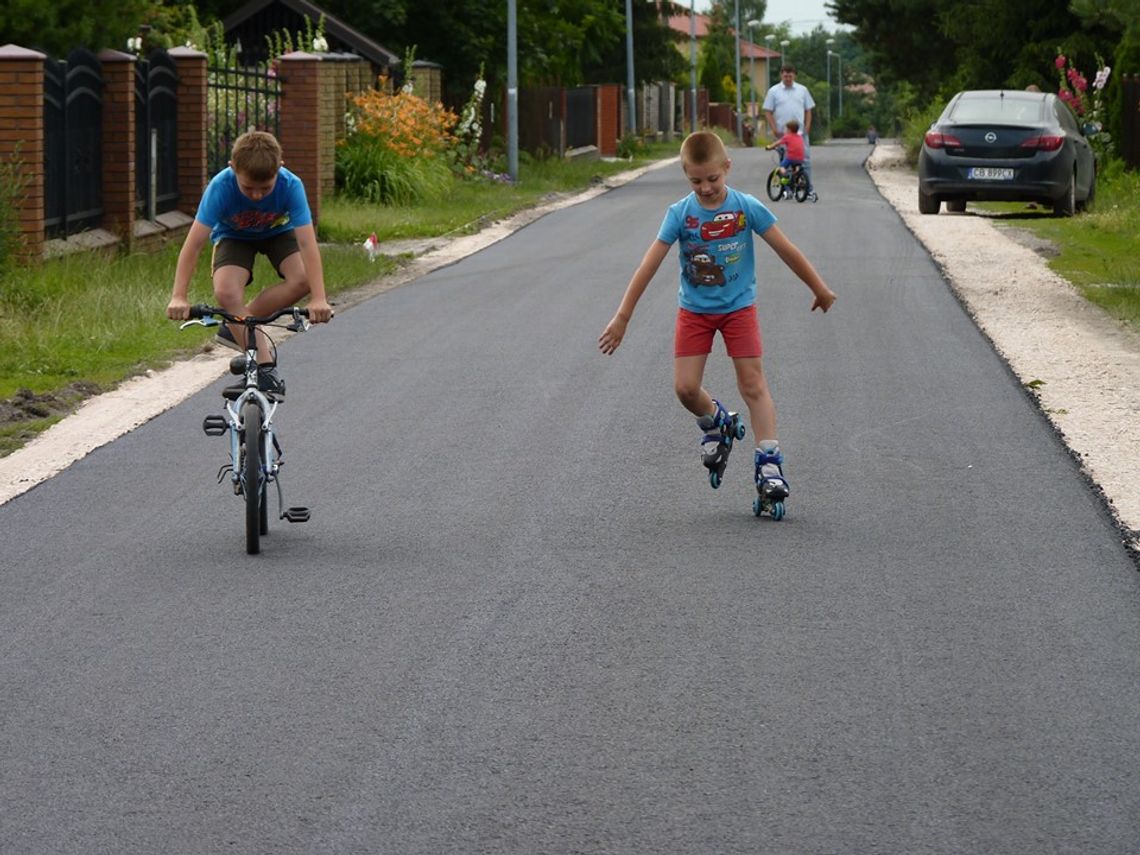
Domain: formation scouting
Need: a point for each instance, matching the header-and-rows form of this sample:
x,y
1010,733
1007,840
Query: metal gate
x,y
156,135
238,100
73,144
581,117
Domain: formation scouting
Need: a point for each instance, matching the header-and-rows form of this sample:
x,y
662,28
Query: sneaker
x,y
226,338
270,382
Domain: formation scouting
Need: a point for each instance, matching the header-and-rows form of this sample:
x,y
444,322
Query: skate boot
x,y
721,429
771,485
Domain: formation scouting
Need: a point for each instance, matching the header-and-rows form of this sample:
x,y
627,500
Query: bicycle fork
x,y
270,467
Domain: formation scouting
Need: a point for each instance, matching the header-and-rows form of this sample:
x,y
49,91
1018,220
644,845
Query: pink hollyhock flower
x,y
1060,61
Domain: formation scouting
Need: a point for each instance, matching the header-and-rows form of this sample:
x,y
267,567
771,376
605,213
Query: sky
x,y
805,15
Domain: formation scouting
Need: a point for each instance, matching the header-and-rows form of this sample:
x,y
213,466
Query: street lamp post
x,y
739,121
632,123
830,42
768,61
839,81
783,48
752,64
693,61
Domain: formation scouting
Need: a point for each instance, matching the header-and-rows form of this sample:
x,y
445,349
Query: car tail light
x,y
1043,143
935,139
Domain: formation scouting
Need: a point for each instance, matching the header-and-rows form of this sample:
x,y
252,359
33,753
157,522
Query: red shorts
x,y
695,332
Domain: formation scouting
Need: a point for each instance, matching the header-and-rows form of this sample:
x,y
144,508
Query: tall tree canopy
x,y
940,45
59,26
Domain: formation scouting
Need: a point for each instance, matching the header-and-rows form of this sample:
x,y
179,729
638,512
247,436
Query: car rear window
x,y
996,109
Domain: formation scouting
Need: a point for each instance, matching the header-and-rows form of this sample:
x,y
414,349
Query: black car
x,y
1013,146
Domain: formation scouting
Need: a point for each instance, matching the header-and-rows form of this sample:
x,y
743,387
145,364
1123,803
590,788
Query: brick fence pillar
x,y
119,168
192,178
608,96
22,140
302,136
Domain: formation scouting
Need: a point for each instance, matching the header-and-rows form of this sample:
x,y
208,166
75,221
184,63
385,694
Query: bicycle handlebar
x,y
203,311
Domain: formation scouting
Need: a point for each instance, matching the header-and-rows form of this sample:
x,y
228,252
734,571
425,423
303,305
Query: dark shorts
x,y
229,252
740,329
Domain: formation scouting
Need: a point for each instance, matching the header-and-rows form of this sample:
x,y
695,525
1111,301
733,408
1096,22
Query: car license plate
x,y
990,173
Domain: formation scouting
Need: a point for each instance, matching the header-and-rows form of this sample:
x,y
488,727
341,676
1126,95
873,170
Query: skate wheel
x,y
757,506
714,479
740,430
777,510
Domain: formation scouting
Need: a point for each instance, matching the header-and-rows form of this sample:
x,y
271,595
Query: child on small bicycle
x,y
254,206
793,145
714,225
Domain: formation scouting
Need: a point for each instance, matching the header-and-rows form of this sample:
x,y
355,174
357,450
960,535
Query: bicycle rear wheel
x,y
253,482
775,185
801,186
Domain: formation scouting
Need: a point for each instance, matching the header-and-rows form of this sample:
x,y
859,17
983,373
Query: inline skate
x,y
771,485
721,429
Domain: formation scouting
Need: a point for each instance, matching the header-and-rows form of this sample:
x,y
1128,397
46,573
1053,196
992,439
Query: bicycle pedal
x,y
214,425
296,515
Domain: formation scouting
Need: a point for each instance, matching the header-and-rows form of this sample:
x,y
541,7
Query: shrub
x,y
395,153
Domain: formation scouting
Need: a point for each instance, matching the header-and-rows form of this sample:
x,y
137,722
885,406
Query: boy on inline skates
x,y
714,225
255,205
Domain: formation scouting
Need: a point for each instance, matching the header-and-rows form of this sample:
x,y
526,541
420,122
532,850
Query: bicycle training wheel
x,y
253,485
775,185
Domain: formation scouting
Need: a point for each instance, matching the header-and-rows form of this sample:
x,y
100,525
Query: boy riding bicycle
x,y
793,145
254,206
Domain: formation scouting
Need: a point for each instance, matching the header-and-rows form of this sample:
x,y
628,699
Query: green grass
x,y
81,324
1097,248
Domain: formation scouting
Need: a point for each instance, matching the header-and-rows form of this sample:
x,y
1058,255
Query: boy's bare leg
x,y
753,387
688,373
229,288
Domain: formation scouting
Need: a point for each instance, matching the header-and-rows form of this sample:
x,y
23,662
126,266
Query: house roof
x,y
335,29
680,25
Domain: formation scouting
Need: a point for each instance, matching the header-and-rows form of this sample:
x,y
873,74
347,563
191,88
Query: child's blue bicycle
x,y
255,452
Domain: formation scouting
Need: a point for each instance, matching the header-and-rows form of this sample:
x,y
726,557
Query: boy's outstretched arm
x,y
615,330
797,262
319,309
178,309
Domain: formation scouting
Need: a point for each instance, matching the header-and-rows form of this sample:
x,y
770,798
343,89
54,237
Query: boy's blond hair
x,y
256,155
701,148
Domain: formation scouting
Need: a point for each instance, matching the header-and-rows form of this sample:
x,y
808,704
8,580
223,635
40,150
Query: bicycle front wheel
x,y
775,185
253,480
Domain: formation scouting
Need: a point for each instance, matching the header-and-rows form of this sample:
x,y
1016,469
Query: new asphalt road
x,y
520,621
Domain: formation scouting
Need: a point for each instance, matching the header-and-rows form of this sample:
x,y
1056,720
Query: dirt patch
x,y
26,405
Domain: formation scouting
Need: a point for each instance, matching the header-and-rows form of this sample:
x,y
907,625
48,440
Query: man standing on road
x,y
790,100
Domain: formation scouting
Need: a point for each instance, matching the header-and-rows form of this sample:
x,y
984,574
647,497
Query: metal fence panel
x,y
73,144
581,117
1130,119
238,100
156,135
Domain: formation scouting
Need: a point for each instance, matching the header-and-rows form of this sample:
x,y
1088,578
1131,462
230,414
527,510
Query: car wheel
x,y
927,204
1065,205
957,206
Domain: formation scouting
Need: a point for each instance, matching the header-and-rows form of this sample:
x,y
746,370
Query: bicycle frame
x,y
255,453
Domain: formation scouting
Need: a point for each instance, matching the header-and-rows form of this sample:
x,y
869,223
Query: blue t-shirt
x,y
229,214
718,261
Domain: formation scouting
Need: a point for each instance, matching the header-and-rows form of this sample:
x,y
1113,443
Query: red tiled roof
x,y
680,25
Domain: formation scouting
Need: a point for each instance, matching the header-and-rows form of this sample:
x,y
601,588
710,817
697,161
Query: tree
x,y
58,27
717,56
